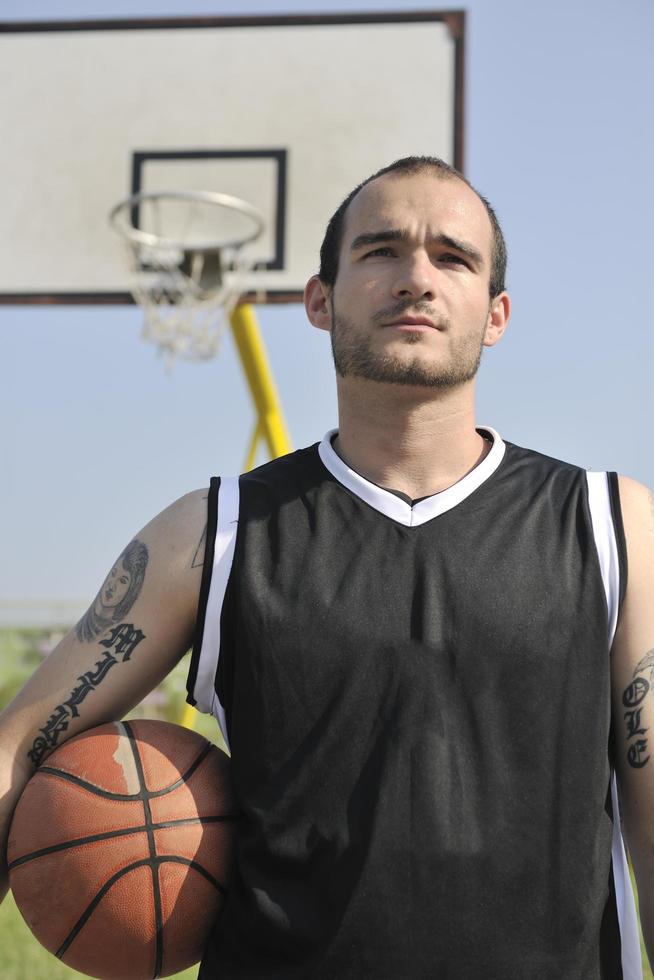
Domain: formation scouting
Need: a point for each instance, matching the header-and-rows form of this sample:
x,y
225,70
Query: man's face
x,y
415,248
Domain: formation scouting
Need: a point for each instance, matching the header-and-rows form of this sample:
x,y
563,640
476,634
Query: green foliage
x,y
21,652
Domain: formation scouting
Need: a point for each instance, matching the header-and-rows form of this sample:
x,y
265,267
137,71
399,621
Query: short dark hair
x,y
331,245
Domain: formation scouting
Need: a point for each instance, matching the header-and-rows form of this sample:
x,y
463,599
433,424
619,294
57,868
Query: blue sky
x,y
97,437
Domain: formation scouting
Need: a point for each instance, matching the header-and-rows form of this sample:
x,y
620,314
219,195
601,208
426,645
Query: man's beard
x,y
354,356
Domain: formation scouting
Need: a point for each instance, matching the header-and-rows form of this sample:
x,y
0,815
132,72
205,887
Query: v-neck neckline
x,y
392,506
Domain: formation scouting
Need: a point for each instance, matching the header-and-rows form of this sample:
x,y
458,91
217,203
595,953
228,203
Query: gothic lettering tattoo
x,y
635,692
636,752
118,594
633,723
633,696
121,642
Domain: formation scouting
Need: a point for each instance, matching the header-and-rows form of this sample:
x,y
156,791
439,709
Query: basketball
x,y
120,849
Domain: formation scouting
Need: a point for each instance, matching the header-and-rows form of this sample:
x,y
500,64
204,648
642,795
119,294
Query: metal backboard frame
x,y
289,112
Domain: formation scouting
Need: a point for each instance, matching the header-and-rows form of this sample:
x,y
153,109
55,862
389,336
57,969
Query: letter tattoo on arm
x,y
121,642
633,696
118,594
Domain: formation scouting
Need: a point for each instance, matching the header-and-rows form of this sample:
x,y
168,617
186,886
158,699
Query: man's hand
x,y
633,696
137,628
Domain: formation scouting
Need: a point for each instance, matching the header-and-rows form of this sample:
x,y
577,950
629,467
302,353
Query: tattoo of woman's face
x,y
118,594
114,590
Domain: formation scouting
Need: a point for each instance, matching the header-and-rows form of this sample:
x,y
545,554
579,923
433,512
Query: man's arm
x,y
633,696
137,628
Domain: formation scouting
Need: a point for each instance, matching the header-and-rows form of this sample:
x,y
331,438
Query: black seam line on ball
x,y
97,898
190,863
107,795
156,890
118,832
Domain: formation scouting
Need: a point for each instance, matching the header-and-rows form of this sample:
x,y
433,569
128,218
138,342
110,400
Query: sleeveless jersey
x,y
417,703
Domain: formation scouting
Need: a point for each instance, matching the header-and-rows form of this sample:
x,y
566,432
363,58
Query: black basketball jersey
x,y
417,701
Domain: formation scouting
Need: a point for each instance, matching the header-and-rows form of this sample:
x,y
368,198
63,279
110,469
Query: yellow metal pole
x,y
188,716
249,344
252,448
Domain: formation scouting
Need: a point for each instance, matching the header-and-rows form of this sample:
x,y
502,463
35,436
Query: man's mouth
x,y
413,323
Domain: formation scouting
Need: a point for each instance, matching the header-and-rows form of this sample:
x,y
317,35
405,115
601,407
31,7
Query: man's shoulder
x,y
275,484
521,457
634,496
178,527
186,509
634,501
637,505
282,468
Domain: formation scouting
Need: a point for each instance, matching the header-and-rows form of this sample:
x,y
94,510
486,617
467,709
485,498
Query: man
x,y
409,635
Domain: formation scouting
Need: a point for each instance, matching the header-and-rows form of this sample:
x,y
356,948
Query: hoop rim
x,y
138,237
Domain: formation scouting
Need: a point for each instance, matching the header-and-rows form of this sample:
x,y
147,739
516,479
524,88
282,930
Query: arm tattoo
x,y
198,557
118,594
647,661
633,696
121,642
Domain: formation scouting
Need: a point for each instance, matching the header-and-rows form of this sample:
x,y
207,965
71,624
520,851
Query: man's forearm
x,y
14,776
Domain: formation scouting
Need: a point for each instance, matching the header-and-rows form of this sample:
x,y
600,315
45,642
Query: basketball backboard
x,y
286,112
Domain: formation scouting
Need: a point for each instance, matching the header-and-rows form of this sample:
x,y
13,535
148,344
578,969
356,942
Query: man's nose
x,y
416,278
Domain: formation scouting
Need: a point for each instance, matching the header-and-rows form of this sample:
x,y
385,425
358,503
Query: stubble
x,y
355,355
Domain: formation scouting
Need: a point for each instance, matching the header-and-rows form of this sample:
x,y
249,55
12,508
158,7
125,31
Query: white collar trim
x,y
393,506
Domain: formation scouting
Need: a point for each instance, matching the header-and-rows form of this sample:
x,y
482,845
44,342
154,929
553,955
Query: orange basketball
x,y
120,849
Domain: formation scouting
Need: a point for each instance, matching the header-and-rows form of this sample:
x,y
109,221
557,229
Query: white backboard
x,y
289,113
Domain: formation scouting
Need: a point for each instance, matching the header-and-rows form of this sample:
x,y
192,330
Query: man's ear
x,y
498,319
317,303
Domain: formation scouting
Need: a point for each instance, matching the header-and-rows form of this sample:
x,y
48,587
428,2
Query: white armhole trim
x,y
632,964
601,515
227,526
599,501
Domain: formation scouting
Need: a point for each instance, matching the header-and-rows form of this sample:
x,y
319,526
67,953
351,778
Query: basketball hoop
x,y
187,284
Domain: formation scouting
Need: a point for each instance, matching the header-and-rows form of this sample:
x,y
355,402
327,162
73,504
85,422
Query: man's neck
x,y
400,439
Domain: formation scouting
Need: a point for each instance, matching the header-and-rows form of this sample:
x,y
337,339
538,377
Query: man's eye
x,y
383,249
451,258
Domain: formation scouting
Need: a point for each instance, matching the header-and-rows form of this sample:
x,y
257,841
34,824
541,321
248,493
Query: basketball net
x,y
186,297
186,291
